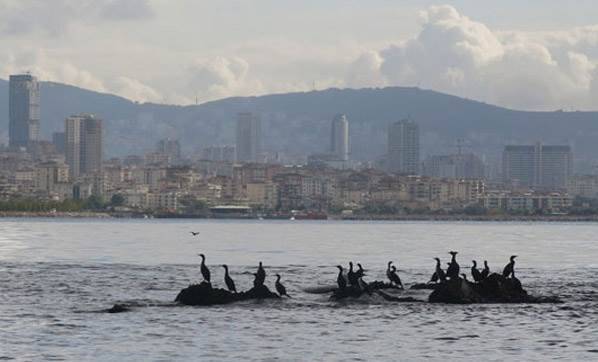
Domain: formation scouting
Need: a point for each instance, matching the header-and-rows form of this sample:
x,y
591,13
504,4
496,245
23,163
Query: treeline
x,y
28,204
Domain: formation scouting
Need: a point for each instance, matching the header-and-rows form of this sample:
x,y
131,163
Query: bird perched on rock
x,y
340,280
486,271
205,272
439,275
230,284
475,273
279,287
509,269
453,269
261,274
394,277
351,275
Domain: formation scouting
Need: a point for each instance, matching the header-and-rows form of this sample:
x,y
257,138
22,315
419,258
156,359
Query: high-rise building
x,y
23,105
83,144
249,137
462,165
403,147
224,153
339,137
170,147
538,165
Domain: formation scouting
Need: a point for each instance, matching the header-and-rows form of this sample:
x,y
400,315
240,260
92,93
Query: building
x,y
583,186
339,137
249,137
468,166
224,153
170,147
403,148
538,165
52,178
83,144
23,105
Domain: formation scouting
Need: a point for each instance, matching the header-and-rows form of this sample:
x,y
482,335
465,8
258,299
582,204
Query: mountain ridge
x,y
298,122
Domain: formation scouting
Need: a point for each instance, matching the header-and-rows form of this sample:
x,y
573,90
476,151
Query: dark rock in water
x,y
392,298
204,294
381,285
118,308
494,289
424,286
349,291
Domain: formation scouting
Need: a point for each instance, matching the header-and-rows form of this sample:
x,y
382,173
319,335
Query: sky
x,y
531,55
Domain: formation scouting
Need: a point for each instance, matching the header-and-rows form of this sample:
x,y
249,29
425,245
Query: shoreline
x,y
430,218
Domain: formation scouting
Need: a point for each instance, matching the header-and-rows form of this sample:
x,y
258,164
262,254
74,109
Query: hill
x,y
299,122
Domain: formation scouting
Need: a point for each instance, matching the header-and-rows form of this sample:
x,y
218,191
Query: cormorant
x,y
510,268
394,277
388,270
279,287
464,277
453,269
351,275
205,272
486,270
261,274
341,281
360,272
475,273
194,233
439,274
230,284
363,286
256,281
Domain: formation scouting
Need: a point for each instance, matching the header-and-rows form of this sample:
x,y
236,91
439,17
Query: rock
x,y
204,294
118,308
350,291
494,289
424,286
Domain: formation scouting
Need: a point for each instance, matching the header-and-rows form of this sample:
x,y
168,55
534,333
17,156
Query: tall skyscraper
x,y
538,165
23,109
83,144
339,137
403,147
462,165
249,137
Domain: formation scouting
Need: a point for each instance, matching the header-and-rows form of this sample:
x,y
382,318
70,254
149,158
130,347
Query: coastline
x,y
422,217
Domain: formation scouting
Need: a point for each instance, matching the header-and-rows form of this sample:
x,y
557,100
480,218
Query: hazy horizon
x,y
537,56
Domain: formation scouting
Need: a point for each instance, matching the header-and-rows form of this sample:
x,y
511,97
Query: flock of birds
x,y
354,278
258,280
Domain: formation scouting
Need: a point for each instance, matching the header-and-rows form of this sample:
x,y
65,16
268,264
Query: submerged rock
x,y
204,294
118,308
494,289
424,286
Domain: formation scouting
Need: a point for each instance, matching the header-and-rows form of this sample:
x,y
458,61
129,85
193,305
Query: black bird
x,y
261,274
364,286
341,281
388,270
360,272
256,281
194,233
230,284
439,274
394,277
453,269
351,275
510,268
475,273
464,277
205,272
279,287
486,270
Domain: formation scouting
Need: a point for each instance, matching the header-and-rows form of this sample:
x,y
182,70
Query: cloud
x,y
218,77
134,90
455,54
55,17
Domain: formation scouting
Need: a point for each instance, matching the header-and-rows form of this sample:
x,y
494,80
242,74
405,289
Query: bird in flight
x,y
194,233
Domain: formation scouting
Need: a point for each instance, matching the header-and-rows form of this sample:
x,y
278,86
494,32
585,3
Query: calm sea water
x,y
56,275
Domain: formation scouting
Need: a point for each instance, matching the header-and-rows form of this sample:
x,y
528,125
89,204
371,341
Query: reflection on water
x,y
56,274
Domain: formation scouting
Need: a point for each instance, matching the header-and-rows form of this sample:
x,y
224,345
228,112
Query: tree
x,y
117,200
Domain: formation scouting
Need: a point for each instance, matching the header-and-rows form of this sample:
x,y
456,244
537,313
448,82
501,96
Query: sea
x,y
59,276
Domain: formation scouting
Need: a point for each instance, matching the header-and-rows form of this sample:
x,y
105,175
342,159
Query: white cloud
x,y
134,90
457,55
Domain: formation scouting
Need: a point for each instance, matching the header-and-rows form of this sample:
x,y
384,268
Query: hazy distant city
x,y
74,171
